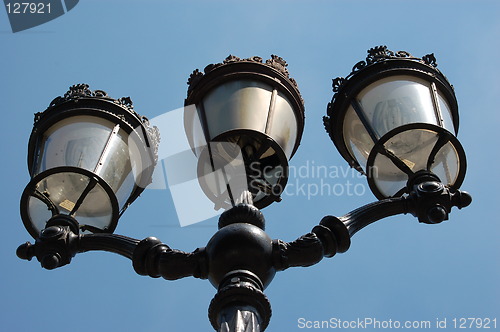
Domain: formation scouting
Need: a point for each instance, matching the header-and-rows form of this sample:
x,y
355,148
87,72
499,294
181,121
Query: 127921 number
x,y
28,8
474,323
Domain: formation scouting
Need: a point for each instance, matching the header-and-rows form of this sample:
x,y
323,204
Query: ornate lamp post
x,y
394,118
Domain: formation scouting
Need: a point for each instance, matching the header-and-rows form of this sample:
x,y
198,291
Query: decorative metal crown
x,y
275,62
379,54
78,91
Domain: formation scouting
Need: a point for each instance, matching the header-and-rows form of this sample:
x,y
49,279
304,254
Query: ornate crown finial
x,y
379,54
276,62
83,90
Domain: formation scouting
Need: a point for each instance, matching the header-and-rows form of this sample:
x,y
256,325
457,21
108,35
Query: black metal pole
x,y
240,319
240,305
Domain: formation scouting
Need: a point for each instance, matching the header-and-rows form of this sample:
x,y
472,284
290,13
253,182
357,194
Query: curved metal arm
x,y
57,245
325,240
365,215
156,259
333,234
430,201
118,244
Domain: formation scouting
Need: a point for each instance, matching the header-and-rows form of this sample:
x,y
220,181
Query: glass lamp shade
x,y
89,157
246,124
395,116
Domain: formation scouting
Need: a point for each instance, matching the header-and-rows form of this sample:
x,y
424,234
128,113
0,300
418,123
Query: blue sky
x,y
396,269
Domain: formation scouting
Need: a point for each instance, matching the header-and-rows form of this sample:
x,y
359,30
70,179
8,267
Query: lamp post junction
x,y
394,119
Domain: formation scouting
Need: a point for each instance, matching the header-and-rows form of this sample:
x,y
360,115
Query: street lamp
x,y
393,118
248,114
89,157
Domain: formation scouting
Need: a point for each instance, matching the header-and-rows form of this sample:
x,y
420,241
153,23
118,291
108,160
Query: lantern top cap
x,y
380,54
82,90
275,66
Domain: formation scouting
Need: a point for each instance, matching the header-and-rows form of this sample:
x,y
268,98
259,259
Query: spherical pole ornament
x,y
89,156
394,116
244,119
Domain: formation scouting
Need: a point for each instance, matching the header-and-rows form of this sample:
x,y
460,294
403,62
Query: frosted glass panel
x,y
39,213
95,144
358,141
283,124
446,164
237,105
395,101
64,191
415,149
446,113
76,141
116,166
